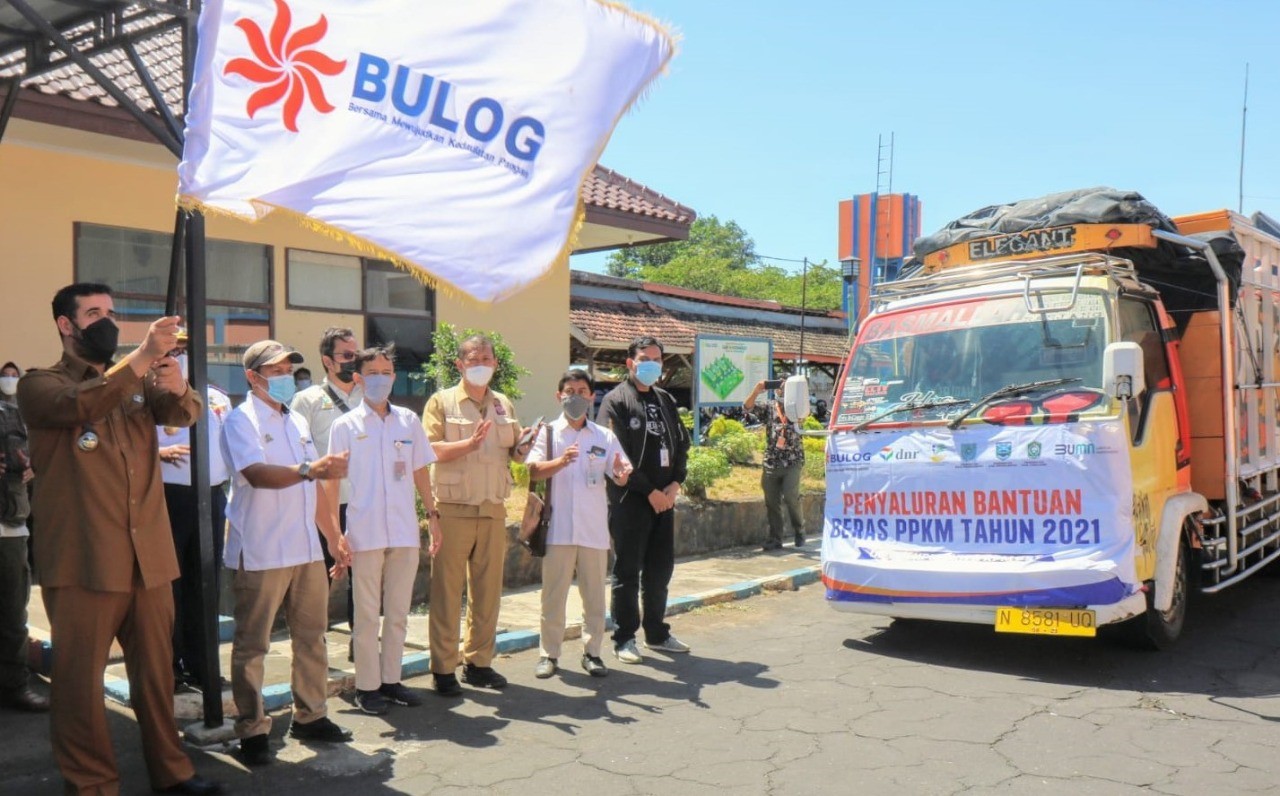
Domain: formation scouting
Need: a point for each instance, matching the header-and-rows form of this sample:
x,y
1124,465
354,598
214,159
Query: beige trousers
x,y
472,556
383,578
557,574
304,592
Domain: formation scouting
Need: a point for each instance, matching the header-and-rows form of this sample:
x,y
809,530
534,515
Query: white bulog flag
x,y
451,137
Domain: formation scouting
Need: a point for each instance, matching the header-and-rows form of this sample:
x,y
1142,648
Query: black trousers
x,y
644,548
15,591
188,615
329,562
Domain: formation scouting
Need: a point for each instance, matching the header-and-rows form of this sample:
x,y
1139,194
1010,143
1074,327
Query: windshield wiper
x,y
1010,391
910,405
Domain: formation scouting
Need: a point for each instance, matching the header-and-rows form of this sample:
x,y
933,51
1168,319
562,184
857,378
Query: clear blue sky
x,y
770,111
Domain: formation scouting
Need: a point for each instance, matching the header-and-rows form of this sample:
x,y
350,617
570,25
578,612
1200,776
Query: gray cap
x,y
268,352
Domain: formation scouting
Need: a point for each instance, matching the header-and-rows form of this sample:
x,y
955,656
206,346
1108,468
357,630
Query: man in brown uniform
x,y
473,431
104,554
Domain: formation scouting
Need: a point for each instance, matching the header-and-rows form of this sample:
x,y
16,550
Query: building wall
x,y
54,177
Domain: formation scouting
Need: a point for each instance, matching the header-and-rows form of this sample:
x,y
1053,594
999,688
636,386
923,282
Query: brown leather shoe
x,y
24,699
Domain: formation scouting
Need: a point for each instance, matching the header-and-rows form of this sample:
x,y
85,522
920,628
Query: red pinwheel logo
x,y
286,66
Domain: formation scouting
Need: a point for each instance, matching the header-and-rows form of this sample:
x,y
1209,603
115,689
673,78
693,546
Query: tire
x,y
1154,629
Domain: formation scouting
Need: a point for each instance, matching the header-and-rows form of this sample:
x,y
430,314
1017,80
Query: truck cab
x,y
1013,440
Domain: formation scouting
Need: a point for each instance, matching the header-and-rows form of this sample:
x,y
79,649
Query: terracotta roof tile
x,y
610,323
607,188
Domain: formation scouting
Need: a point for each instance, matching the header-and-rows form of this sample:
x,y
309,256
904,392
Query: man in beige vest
x,y
474,433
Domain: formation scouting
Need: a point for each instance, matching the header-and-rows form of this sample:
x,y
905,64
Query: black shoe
x,y
447,685
799,540
401,695
197,785
255,751
372,702
483,677
321,729
771,545
594,666
25,700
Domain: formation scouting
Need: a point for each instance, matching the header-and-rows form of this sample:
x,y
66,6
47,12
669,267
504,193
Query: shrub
x,y
686,418
815,456
739,447
441,371
520,474
722,426
811,424
706,466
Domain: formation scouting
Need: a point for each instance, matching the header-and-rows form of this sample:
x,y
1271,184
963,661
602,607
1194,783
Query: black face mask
x,y
346,372
99,340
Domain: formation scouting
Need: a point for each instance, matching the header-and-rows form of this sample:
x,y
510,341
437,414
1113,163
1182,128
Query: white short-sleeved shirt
x,y
271,528
579,506
317,406
385,453
219,407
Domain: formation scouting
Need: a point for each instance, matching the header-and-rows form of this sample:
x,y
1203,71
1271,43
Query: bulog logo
x,y
287,66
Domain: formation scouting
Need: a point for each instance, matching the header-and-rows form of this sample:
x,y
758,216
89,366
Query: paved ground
x,y
783,695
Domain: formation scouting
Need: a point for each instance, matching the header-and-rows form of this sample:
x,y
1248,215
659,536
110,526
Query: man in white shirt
x,y
321,404
274,548
579,534
180,499
389,454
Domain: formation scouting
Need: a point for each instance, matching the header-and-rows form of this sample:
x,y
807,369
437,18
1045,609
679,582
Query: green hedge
x,y
706,466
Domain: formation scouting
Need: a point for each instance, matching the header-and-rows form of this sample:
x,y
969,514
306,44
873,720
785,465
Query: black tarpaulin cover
x,y
1181,275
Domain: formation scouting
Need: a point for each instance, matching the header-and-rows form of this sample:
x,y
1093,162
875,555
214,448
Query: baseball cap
x,y
267,352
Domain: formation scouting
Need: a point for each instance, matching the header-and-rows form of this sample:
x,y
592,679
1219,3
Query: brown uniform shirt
x,y
101,512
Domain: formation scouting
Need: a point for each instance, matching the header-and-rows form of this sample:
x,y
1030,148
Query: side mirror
x,y
1122,371
795,398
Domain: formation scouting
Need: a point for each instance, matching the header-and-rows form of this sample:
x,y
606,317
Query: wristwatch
x,y
304,470
434,513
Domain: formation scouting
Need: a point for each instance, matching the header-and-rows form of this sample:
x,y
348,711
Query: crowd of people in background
x,y
309,482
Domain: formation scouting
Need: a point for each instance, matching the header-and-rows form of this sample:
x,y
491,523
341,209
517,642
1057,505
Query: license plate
x,y
1047,621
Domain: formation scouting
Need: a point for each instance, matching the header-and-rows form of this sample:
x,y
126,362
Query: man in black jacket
x,y
641,514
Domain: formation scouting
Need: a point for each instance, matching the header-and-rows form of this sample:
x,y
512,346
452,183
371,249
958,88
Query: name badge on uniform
x,y
399,470
664,457
362,436
497,407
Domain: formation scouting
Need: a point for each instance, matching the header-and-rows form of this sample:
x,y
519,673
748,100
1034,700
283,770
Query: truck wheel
x,y
1155,629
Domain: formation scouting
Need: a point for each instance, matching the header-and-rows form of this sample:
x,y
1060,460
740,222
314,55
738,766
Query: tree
x,y
709,239
441,370
720,257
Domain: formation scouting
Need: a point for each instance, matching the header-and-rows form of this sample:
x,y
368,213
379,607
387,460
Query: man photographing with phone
x,y
783,464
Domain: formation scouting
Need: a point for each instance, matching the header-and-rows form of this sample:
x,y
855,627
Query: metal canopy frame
x,y
38,37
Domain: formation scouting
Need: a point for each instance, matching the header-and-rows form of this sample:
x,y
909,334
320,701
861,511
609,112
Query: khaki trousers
x,y
558,566
472,556
84,622
383,579
304,592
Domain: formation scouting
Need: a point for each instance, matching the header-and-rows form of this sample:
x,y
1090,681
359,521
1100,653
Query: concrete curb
x,y
416,664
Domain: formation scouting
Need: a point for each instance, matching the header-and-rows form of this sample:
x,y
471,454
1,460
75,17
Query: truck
x,y
1065,416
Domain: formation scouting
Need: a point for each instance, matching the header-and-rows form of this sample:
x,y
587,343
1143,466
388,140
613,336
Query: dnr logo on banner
x,y
450,137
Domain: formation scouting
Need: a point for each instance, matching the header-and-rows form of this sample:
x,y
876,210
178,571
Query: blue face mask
x,y
377,388
648,372
281,388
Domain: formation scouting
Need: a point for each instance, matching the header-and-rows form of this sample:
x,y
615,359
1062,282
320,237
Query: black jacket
x,y
14,506
623,411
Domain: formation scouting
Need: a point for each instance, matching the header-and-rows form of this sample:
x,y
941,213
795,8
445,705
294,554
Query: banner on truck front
x,y
1014,516
450,137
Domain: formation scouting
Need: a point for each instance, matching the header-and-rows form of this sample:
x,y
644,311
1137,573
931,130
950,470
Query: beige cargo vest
x,y
484,475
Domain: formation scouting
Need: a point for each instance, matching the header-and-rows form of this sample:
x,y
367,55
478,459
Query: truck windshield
x,y
963,351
